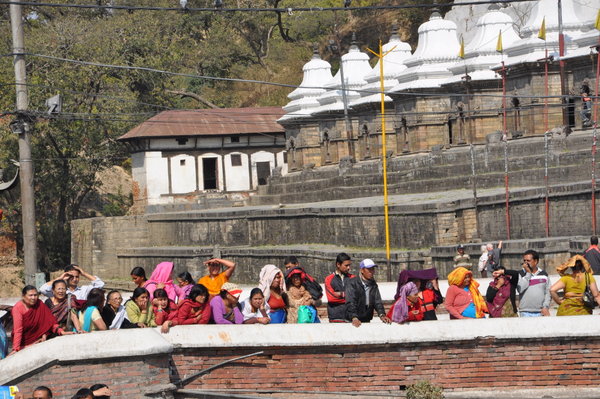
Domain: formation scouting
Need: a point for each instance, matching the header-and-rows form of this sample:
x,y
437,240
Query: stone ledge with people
x,y
292,297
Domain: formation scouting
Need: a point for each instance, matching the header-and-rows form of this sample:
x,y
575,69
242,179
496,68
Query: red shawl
x,y
37,321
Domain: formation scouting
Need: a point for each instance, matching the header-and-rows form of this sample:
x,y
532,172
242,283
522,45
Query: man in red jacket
x,y
335,287
592,255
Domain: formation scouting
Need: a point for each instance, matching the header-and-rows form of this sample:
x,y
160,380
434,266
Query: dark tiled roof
x,y
203,122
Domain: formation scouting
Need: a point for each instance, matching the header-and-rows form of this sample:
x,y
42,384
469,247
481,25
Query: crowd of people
x,y
96,391
291,295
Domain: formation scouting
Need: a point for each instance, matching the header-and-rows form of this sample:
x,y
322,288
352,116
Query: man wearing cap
x,y
363,297
215,278
462,259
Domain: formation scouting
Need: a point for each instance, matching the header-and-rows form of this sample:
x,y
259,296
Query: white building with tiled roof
x,y
182,155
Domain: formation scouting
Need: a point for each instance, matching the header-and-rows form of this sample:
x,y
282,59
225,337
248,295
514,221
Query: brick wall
x,y
128,378
456,355
480,363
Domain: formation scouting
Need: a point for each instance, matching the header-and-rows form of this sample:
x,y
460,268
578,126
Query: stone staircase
x,y
569,161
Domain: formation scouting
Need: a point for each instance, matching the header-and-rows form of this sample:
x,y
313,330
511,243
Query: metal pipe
x,y
192,377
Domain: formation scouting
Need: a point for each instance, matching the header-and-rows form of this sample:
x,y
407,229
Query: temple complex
x,y
436,97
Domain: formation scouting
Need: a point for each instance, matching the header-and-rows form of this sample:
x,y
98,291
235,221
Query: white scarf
x,y
119,317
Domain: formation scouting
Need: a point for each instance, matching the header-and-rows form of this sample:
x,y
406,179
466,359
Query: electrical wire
x,y
467,114
287,10
263,82
87,94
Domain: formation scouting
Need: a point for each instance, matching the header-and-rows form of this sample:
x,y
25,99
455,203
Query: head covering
x,y
571,263
457,277
232,289
460,246
405,275
267,274
400,307
162,274
367,264
293,272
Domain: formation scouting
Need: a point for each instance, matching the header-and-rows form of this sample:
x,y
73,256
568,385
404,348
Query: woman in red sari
x,y
32,320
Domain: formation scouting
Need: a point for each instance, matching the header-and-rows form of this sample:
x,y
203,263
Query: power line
x,y
288,10
233,120
263,82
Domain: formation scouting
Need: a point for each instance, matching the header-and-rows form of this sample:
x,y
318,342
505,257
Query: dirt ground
x,y
11,281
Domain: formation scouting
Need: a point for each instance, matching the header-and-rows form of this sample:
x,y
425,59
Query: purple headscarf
x,y
405,275
400,308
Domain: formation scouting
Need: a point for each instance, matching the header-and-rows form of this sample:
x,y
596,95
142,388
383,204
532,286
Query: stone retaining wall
x,y
111,247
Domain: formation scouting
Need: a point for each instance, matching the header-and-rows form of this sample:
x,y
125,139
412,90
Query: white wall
x,y
260,156
284,166
138,173
219,170
150,171
183,177
237,178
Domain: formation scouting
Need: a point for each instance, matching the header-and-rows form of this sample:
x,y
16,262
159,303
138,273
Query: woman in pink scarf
x,y
161,278
399,311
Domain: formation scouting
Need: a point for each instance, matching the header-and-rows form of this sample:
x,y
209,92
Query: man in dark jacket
x,y
335,288
363,297
592,255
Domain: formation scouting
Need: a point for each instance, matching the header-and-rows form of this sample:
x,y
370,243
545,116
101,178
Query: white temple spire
x,y
437,50
393,65
317,73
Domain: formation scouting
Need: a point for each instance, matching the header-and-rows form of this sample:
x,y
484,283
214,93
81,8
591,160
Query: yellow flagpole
x,y
380,55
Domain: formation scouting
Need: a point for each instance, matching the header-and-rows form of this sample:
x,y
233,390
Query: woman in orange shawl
x,y
463,299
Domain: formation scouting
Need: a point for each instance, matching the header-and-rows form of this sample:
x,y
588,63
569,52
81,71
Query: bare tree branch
x,y
195,96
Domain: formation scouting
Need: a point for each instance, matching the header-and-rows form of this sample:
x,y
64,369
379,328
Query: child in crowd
x,y
185,282
165,310
298,296
254,309
195,309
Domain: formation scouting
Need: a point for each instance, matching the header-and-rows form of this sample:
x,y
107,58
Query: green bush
x,y
424,390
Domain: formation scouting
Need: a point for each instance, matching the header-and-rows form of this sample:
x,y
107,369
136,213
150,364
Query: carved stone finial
x,y
316,54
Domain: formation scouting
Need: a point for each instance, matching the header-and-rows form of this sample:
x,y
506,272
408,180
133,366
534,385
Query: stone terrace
x,y
438,170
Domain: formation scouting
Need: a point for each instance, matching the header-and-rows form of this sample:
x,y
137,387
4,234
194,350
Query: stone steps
x,y
569,160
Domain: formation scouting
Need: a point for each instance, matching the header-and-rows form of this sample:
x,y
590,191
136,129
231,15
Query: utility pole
x,y
22,126
335,48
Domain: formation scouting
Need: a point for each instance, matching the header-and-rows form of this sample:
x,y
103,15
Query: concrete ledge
x,y
303,335
143,342
84,347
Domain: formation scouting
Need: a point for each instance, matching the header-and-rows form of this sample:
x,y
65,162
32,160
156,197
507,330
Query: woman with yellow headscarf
x,y
575,273
463,299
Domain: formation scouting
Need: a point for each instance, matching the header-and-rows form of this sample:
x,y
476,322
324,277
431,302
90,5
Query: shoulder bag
x,y
588,298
